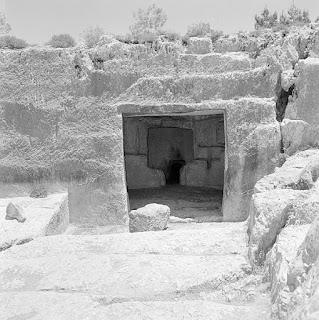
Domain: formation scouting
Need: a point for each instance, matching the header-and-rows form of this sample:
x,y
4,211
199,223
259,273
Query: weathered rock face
x,y
67,127
152,217
278,259
283,232
288,196
304,106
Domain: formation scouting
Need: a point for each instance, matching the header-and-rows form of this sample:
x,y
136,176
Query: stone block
x,y
152,217
199,45
139,175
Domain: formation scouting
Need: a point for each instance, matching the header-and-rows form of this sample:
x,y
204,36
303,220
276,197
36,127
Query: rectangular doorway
x,y
177,160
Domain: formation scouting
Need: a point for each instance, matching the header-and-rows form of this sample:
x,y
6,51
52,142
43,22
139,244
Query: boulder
x,y
152,217
15,212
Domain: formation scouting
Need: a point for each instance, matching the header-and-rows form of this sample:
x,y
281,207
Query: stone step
x,y
68,306
141,265
213,63
259,82
207,239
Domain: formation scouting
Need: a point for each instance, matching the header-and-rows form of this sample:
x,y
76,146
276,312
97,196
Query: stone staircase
x,y
178,274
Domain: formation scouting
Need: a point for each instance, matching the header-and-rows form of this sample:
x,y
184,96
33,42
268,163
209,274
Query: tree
x,y
296,16
200,29
4,26
62,41
317,20
150,20
284,20
92,35
266,19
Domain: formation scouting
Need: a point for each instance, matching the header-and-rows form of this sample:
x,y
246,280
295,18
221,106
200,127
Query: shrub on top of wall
x,y
11,42
201,30
61,41
91,36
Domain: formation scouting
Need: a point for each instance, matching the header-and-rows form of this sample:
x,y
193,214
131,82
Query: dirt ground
x,y
184,202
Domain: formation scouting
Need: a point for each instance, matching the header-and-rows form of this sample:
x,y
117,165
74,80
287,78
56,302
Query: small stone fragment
x,y
152,217
14,212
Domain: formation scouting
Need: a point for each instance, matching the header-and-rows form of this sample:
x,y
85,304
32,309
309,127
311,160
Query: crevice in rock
x,y
282,102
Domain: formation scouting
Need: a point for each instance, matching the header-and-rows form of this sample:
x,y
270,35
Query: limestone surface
x,y
288,196
152,217
179,274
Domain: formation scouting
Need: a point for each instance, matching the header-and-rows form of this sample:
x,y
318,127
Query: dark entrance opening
x,y
175,167
177,160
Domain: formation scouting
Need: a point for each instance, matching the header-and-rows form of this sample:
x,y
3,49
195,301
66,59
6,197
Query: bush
x,y
215,35
92,35
200,29
11,42
127,38
294,17
61,41
266,19
148,21
317,20
170,35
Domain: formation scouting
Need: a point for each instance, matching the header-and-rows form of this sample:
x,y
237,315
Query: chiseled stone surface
x,y
139,175
44,216
149,275
282,253
152,217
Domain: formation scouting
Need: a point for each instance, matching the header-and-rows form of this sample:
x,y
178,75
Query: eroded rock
x,y
152,217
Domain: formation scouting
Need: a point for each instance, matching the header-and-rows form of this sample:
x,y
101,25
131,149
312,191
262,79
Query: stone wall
x,y
253,142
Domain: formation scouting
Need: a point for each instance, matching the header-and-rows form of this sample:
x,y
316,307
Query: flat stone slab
x,y
66,306
44,216
142,265
210,239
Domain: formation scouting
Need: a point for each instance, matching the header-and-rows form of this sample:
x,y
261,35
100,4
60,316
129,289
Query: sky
x,y
37,20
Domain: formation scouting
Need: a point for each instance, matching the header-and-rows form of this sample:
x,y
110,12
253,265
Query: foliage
x,y
317,20
215,35
170,35
4,26
91,35
12,42
294,16
201,29
126,38
62,41
148,21
266,19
